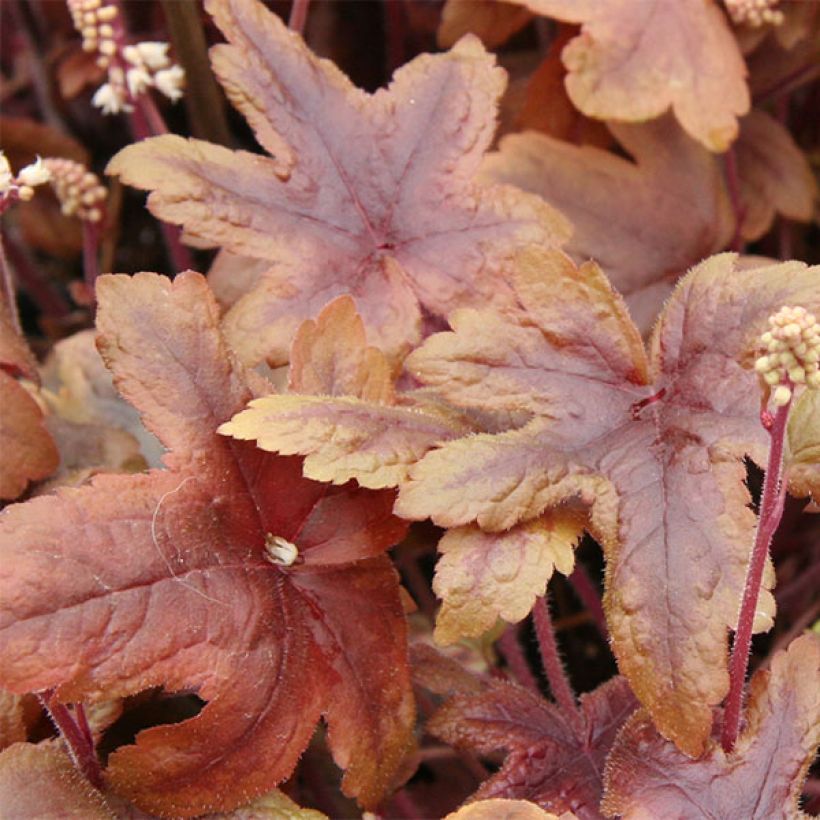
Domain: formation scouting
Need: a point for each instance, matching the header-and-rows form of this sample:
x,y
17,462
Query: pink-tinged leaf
x,y
29,452
41,782
547,762
633,60
660,465
483,576
372,195
91,578
760,779
644,221
774,174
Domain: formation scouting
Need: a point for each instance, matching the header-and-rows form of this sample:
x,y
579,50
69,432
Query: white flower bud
x,y
170,82
34,174
138,80
155,55
6,176
781,396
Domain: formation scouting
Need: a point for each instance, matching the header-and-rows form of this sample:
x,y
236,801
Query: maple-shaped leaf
x,y
548,761
228,574
372,195
29,452
654,444
644,221
802,459
343,414
634,59
760,779
483,576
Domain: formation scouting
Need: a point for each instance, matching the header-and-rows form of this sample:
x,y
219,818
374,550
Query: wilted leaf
x,y
493,21
372,195
644,221
774,176
178,578
655,447
647,777
802,460
40,781
350,429
547,762
634,59
482,576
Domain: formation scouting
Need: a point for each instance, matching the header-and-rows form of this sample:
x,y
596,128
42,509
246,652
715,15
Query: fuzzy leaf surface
x,y
802,459
163,579
372,195
634,59
644,220
501,809
759,779
546,762
482,576
655,447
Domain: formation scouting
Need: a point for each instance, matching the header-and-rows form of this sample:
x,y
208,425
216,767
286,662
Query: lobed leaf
x,y
760,779
91,578
660,467
372,195
484,576
802,459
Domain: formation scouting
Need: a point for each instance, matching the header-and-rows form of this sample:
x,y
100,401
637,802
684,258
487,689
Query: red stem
x,y
77,739
553,667
589,597
510,648
771,511
91,248
298,15
8,289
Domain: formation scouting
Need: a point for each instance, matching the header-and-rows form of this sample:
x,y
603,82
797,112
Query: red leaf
x,y
172,578
646,776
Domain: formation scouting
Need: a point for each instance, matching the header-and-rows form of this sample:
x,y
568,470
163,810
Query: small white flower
x,y
34,174
6,177
155,55
170,82
108,98
138,80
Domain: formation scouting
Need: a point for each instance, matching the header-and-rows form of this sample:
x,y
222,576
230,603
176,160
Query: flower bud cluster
x,y
28,178
792,353
132,69
754,13
79,191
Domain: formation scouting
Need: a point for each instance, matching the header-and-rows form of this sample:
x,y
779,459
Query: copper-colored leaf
x,y
372,195
491,20
547,761
760,779
29,453
774,175
484,576
41,781
180,578
634,59
644,221
659,464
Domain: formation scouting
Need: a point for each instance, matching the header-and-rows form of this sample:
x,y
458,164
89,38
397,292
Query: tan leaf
x,y
41,782
774,175
330,357
372,195
634,59
644,220
493,21
274,805
650,460
501,809
484,576
802,460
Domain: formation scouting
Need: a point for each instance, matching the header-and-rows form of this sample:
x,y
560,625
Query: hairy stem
x,y
553,666
77,739
510,647
771,511
585,589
